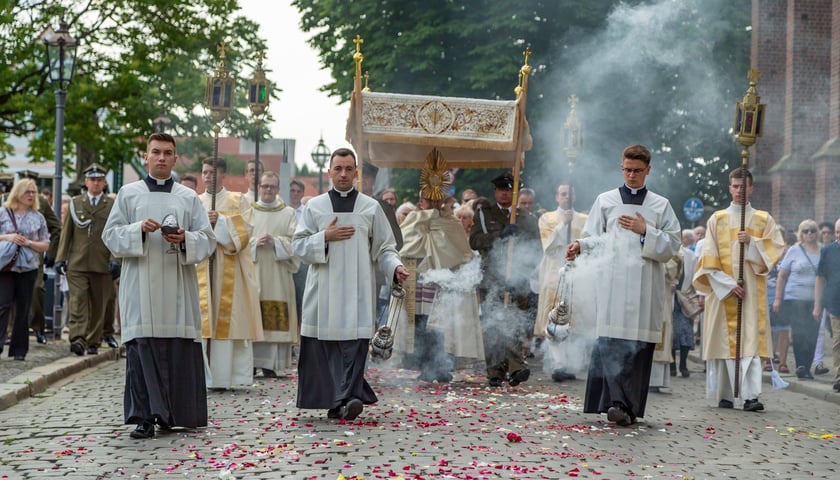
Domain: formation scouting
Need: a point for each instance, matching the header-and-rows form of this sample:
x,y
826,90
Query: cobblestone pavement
x,y
462,430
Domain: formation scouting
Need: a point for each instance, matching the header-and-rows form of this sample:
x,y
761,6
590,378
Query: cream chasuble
x,y
717,274
275,265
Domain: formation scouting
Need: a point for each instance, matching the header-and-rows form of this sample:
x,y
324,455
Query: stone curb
x,y
34,382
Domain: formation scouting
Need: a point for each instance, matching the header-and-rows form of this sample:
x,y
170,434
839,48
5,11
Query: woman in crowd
x,y
23,235
795,295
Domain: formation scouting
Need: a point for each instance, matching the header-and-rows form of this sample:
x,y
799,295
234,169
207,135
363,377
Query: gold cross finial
x,y
358,57
527,54
221,49
753,75
573,100
260,57
367,77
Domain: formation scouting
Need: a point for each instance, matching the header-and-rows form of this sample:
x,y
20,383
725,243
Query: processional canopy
x,y
399,130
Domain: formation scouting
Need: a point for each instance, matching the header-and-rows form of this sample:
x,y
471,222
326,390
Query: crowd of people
x,y
219,287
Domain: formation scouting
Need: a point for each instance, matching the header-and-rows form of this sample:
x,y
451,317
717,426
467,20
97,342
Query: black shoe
x,y
561,375
821,369
444,377
684,373
352,409
112,342
495,382
92,351
753,405
144,430
334,413
803,373
40,337
673,370
836,386
20,358
269,373
519,376
619,416
77,348
724,403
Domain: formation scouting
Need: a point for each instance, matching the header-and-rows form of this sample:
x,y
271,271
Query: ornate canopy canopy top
x,y
398,130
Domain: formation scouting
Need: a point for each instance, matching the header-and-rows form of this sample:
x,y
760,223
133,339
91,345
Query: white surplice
x,y
158,291
630,280
340,296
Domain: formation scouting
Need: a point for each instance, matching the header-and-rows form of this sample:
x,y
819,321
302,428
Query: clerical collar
x,y
632,196
208,192
636,191
273,204
344,194
158,185
343,202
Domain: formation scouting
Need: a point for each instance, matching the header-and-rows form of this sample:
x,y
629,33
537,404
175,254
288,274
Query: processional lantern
x,y
219,100
749,113
259,89
258,96
219,93
572,131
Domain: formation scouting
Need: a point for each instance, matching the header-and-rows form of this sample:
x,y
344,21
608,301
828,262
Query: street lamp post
x,y
320,155
61,59
258,96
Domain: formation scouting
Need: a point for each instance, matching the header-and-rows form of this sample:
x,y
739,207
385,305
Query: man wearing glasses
x,y
717,278
628,237
271,250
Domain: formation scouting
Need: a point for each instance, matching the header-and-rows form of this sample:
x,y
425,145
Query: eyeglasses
x,y
637,171
809,230
269,187
30,192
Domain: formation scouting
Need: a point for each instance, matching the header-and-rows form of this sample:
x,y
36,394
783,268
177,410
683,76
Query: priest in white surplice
x,y
271,249
161,322
342,235
630,233
230,314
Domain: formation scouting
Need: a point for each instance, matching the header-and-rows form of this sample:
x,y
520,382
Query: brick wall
x,y
792,46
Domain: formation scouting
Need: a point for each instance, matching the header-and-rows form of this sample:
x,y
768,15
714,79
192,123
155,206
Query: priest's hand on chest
x,y
335,232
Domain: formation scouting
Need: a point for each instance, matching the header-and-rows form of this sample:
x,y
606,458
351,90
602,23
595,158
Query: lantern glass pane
x,y
263,93
216,100
227,95
252,93
748,123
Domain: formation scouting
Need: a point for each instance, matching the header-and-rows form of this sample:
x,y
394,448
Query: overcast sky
x,y
302,112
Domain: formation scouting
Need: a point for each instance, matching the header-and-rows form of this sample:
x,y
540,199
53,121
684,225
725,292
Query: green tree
x,y
135,58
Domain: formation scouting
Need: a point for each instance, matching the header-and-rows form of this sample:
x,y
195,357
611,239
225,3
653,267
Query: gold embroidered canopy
x,y
398,131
